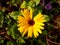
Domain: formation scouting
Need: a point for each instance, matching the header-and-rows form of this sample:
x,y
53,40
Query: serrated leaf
x,y
23,5
31,4
14,15
37,2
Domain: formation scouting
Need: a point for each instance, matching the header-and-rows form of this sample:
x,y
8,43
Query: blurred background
x,y
10,9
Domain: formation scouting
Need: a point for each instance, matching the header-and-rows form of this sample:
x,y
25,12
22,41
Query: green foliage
x,y
14,15
1,19
12,25
1,40
10,43
47,18
45,32
23,5
12,1
12,30
20,41
31,4
37,2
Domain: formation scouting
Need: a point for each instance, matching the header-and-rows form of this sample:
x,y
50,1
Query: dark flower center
x,y
31,22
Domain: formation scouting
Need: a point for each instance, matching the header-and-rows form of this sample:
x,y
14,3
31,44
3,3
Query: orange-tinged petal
x,y
22,28
22,20
26,30
26,14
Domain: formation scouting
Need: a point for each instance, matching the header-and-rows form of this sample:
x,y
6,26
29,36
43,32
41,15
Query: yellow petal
x,y
25,31
22,20
39,31
39,23
39,18
42,19
39,15
30,31
35,32
39,27
18,25
22,28
26,13
31,13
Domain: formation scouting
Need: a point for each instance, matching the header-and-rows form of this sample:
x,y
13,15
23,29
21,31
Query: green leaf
x,y
14,15
23,5
1,40
12,1
50,26
39,41
47,18
20,41
27,1
7,19
45,32
37,2
12,30
1,19
43,43
10,43
31,3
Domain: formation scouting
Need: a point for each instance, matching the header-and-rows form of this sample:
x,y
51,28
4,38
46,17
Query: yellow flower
x,y
30,26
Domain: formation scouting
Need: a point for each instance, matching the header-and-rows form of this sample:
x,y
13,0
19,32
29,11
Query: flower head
x,y
30,26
